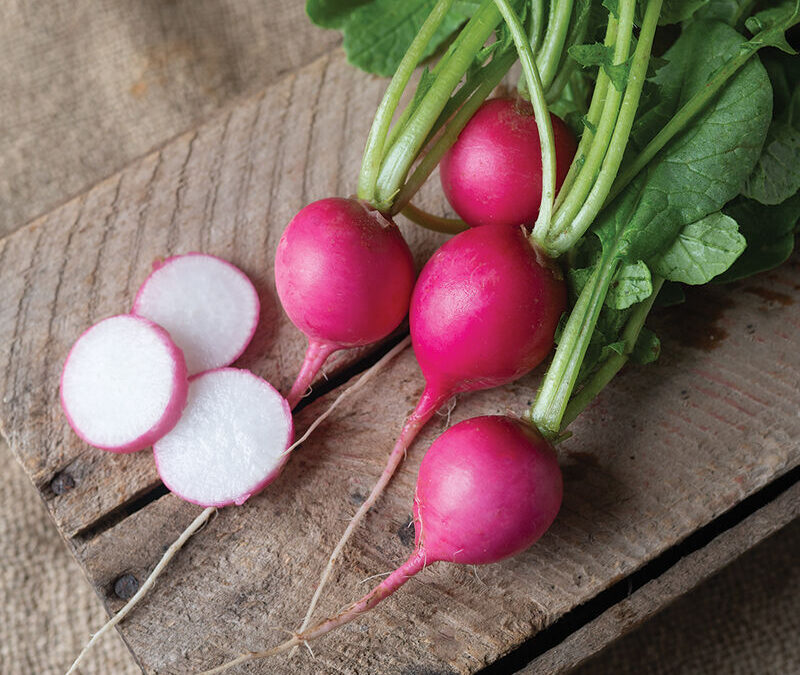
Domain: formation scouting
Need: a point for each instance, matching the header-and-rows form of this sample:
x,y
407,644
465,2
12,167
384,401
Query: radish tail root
x,y
366,376
408,569
176,546
316,355
430,401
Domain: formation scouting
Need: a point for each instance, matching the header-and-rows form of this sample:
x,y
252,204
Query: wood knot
x,y
62,483
125,587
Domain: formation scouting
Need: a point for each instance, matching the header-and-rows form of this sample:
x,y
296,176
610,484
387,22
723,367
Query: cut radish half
x,y
124,384
230,441
209,307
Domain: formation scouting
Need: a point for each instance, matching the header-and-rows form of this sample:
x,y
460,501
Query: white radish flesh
x,y
124,384
230,442
209,307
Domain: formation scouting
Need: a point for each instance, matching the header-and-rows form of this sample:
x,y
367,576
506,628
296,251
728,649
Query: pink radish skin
x,y
344,275
487,489
492,174
209,306
483,313
119,378
231,441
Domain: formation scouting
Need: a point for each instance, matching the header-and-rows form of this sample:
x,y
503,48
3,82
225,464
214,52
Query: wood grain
x,y
676,582
662,452
228,188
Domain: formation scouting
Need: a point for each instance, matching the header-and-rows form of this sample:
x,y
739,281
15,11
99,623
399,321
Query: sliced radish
x,y
230,441
209,307
124,384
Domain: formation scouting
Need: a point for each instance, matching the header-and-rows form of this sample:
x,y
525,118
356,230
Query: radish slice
x,y
209,307
124,384
230,441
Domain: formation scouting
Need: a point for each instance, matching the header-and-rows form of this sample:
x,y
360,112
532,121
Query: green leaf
x,y
702,250
332,13
702,168
776,176
774,22
675,11
728,11
770,235
631,284
378,32
647,348
598,54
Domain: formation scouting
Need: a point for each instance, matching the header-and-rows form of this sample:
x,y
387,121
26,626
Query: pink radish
x,y
209,307
124,384
483,313
344,275
487,489
230,442
492,174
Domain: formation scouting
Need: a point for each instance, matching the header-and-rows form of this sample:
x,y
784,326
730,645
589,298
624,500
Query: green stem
x,y
490,77
592,117
559,381
550,55
432,222
400,124
537,14
588,172
613,364
681,119
540,111
576,35
599,193
402,153
373,152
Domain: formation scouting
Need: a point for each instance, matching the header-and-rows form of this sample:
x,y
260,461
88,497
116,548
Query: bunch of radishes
x,y
484,310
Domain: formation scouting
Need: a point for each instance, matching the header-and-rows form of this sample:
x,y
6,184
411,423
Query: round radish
x,y
344,275
209,307
483,313
492,174
124,384
230,442
487,489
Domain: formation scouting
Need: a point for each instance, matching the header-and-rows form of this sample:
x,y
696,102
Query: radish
x,y
492,174
483,313
124,384
487,489
344,275
209,307
230,441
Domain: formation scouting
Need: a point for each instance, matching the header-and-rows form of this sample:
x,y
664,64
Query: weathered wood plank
x,y
663,452
228,188
676,582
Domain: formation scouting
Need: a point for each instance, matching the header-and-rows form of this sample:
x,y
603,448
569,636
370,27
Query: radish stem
x,y
373,152
540,110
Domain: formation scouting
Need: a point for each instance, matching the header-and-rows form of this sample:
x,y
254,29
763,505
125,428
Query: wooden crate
x,y
677,468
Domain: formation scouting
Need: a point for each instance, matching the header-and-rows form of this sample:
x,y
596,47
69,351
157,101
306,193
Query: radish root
x,y
366,376
415,563
429,403
176,546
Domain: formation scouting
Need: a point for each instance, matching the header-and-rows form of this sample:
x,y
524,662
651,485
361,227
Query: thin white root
x,y
375,576
366,376
176,546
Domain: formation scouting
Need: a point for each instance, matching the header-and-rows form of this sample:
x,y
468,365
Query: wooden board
x,y
664,452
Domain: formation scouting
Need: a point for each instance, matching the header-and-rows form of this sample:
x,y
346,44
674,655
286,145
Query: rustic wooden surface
x,y
663,452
